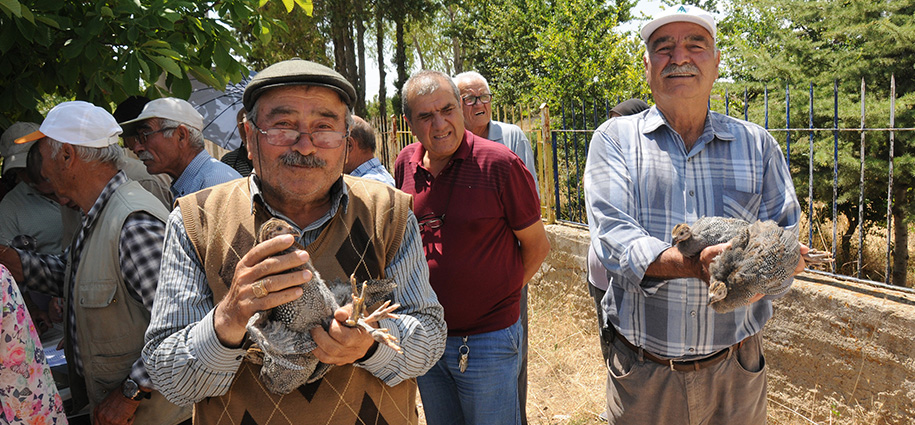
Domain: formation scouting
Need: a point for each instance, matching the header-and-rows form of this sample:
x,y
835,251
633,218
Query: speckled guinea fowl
x,y
761,257
283,332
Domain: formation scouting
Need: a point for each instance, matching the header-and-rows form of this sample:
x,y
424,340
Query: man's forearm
x,y
9,257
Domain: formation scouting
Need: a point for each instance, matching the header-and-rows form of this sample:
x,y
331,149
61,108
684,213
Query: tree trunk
x,y
419,52
845,256
400,60
456,48
379,45
900,237
359,20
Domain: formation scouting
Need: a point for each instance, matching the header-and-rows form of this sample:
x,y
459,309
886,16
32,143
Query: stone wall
x,y
836,350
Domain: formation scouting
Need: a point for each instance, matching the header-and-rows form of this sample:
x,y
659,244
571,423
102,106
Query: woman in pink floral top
x,y
27,391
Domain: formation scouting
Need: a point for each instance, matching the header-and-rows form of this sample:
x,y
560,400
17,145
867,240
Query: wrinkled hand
x,y
232,313
115,409
706,257
341,345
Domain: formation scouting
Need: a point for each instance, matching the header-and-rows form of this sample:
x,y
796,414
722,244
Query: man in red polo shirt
x,y
479,216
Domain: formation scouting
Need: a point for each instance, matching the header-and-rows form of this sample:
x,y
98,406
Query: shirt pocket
x,y
740,204
99,294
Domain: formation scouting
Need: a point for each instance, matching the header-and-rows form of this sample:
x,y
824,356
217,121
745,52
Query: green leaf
x,y
167,52
106,12
221,57
8,37
181,87
132,73
206,77
132,33
167,64
12,6
307,6
289,5
48,21
156,44
260,3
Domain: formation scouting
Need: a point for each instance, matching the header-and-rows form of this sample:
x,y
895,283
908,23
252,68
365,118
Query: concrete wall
x,y
837,351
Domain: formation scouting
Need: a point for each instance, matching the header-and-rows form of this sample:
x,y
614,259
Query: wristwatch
x,y
132,390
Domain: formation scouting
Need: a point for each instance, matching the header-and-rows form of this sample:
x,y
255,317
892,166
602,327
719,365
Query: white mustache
x,y
686,68
145,156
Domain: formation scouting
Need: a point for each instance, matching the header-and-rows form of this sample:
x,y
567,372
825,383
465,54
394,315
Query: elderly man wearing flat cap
x,y
169,139
108,275
197,349
673,359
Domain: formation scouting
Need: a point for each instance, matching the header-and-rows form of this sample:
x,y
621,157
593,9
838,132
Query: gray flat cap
x,y
297,72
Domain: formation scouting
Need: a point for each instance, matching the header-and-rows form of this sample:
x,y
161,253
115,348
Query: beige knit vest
x,y
361,240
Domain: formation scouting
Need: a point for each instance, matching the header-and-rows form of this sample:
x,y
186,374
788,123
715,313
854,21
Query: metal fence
x,y
561,137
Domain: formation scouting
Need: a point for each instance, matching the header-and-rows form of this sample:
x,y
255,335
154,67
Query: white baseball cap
x,y
77,123
170,108
680,13
14,155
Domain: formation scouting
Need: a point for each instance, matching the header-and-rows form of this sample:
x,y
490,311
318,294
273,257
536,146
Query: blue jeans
x,y
487,392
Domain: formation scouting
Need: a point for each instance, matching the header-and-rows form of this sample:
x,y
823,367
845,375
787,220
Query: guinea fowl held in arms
x,y
760,258
283,332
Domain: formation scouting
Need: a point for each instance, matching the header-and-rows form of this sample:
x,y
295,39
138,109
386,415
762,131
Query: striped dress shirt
x,y
639,182
188,363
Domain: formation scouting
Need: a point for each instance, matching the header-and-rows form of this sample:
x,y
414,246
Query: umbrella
x,y
219,110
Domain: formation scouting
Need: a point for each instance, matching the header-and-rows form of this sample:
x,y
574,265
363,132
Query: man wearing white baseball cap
x,y
109,273
170,140
672,358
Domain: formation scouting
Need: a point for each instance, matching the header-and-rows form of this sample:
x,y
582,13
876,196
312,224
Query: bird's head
x,y
717,290
681,233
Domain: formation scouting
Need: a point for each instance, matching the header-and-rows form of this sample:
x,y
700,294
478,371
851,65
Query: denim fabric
x,y
487,392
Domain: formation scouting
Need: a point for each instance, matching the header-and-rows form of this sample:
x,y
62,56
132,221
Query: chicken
x,y
760,258
283,332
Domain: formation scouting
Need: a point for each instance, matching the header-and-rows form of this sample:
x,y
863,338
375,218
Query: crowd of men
x,y
158,267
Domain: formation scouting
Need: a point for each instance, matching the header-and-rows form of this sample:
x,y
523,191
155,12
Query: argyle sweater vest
x,y
363,239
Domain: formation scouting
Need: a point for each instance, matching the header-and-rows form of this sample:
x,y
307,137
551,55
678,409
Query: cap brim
x,y
35,135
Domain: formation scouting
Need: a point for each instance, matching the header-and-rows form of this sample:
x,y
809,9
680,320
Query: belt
x,y
677,365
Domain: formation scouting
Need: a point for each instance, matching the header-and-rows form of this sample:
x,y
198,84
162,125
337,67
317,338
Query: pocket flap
x,y
97,294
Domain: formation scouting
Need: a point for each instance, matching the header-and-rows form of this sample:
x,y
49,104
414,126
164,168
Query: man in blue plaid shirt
x,y
109,273
673,359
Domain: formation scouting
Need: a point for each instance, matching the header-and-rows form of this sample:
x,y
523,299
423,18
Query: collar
x,y
495,131
102,200
715,127
190,171
339,197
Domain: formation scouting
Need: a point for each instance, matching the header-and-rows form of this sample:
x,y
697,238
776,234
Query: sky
x,y
649,7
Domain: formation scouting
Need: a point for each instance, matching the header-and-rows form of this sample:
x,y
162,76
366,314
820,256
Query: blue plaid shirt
x,y
139,252
639,182
373,169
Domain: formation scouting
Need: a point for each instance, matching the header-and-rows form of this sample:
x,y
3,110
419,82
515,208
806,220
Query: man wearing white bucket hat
x,y
672,359
170,140
108,275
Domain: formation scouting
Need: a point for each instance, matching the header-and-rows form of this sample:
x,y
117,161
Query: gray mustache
x,y
676,69
145,156
296,159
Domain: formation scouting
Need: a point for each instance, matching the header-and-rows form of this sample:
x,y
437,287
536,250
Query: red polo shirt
x,y
484,193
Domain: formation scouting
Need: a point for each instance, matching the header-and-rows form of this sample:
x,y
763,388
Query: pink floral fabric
x,y
27,390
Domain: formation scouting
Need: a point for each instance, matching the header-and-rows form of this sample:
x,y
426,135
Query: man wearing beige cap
x,y
672,358
169,140
108,275
199,352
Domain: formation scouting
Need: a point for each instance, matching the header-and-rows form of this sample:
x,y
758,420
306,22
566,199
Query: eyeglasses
x,y
432,221
325,139
472,100
143,136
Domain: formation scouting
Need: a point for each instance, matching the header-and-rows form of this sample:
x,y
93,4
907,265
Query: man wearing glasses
x,y
480,222
169,140
476,99
197,348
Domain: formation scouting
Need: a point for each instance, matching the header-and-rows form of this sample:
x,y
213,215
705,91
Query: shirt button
x,y
692,193
691,349
238,357
693,313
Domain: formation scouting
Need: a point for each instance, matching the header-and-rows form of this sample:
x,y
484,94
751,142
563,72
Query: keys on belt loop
x,y
464,350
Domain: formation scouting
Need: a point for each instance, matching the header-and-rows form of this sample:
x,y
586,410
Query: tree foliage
x,y
103,52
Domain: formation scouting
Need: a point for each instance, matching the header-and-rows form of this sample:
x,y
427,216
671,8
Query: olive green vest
x,y
363,239
110,324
